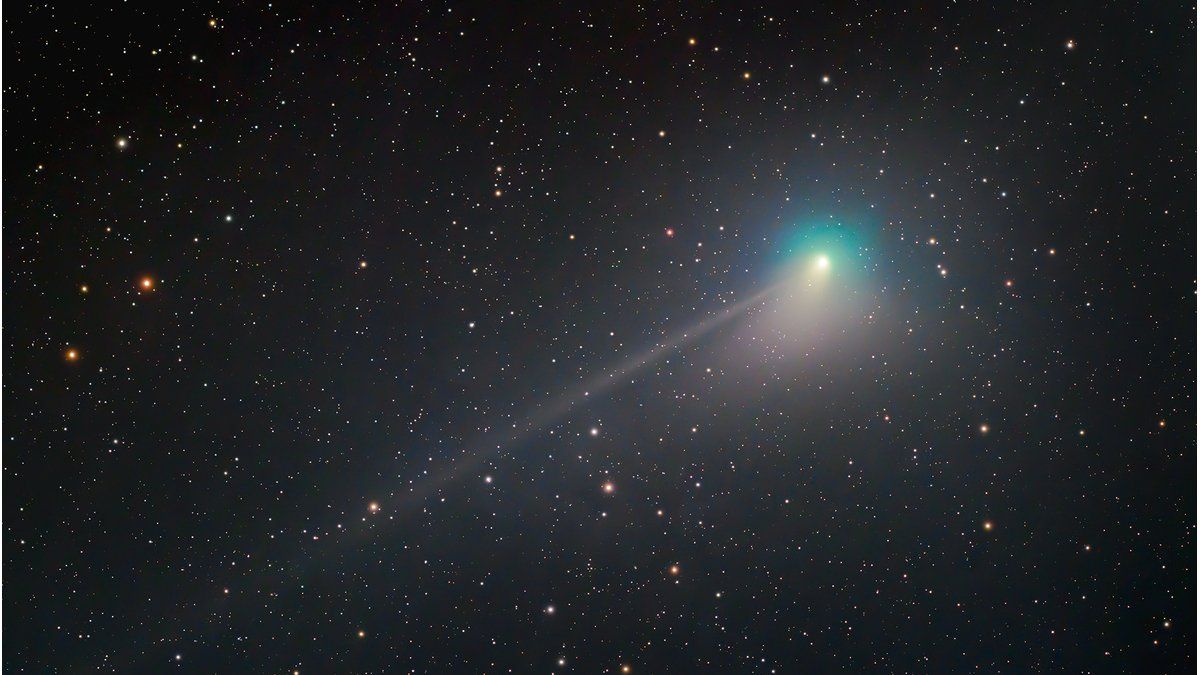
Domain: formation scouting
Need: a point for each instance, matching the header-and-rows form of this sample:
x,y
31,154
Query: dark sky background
x,y
301,305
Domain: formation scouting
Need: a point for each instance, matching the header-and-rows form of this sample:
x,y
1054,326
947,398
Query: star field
x,y
564,338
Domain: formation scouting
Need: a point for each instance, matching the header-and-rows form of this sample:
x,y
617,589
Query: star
x,y
279,384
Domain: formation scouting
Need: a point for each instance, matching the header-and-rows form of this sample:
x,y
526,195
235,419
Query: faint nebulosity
x,y
599,338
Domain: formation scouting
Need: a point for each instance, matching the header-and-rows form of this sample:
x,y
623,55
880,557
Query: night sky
x,y
659,338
